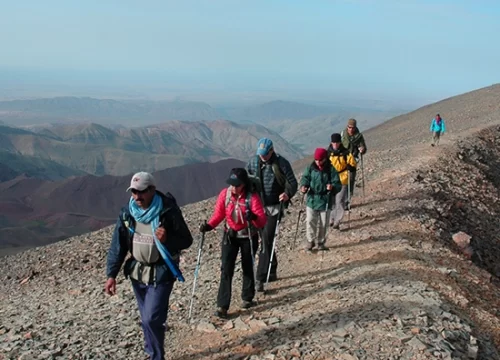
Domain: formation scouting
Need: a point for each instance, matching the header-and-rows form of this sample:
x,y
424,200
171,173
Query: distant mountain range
x,y
140,113
60,150
35,212
85,109
302,125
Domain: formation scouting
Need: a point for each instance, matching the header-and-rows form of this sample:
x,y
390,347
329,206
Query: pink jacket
x,y
222,212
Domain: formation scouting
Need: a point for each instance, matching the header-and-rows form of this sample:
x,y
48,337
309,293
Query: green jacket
x,y
352,143
316,180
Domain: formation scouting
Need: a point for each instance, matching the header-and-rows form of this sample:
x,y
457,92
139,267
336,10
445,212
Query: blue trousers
x,y
153,306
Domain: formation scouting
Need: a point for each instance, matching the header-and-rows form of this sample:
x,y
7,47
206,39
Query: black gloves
x,y
251,216
205,228
351,168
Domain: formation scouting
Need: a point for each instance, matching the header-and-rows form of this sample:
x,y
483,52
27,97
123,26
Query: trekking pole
x,y
348,197
252,252
198,262
298,221
363,178
328,193
276,232
327,215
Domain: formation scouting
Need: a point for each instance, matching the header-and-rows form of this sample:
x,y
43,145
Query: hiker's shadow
x,y
323,276
372,310
382,217
360,204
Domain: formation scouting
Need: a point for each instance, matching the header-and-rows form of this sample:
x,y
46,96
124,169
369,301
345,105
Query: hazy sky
x,y
422,49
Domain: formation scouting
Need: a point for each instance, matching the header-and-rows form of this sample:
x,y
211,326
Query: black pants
x,y
265,250
230,249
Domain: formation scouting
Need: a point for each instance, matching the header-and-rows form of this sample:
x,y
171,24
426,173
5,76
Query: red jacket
x,y
222,212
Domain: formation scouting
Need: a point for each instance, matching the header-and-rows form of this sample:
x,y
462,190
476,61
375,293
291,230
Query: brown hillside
x,y
36,212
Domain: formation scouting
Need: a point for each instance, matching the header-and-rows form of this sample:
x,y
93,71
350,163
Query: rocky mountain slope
x,y
397,283
97,150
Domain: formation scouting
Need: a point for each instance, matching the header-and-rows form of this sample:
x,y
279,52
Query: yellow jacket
x,y
340,160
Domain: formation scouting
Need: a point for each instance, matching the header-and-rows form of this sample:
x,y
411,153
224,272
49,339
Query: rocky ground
x,y
393,285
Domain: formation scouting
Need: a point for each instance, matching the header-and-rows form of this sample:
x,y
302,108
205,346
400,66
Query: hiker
x,y
236,204
321,182
437,128
152,229
343,161
278,185
353,140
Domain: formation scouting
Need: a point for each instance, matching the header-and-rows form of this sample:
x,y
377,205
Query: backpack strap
x,y
278,173
228,197
259,171
129,222
248,199
226,203
279,176
247,205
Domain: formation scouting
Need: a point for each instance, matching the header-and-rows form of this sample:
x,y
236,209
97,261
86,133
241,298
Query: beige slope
x,y
463,114
471,110
309,134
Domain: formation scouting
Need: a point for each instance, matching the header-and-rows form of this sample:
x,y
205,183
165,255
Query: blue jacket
x,y
178,238
438,128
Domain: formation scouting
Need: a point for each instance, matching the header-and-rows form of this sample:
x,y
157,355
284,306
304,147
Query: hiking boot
x,y
346,206
336,226
221,312
322,247
309,246
259,286
247,304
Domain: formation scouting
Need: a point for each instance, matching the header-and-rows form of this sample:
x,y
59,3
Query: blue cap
x,y
263,146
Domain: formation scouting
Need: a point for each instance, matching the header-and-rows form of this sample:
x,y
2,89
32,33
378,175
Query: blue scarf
x,y
152,216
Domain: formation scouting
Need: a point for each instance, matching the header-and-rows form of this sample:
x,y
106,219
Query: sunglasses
x,y
139,192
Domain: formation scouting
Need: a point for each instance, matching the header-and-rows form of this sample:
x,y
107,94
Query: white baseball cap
x,y
141,181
